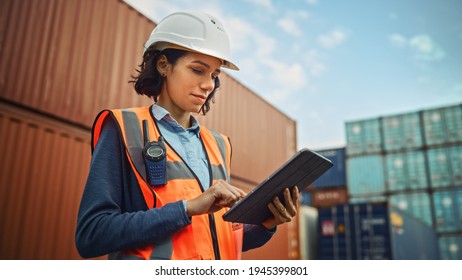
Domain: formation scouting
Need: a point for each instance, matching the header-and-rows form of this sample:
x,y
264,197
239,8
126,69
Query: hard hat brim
x,y
166,45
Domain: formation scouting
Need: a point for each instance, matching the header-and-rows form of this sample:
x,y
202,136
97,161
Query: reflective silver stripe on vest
x,y
178,170
222,148
163,250
134,138
218,172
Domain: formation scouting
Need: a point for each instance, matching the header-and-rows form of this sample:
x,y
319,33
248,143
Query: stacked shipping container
x,y
373,231
330,188
414,161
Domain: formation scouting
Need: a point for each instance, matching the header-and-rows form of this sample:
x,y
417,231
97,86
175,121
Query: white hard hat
x,y
194,31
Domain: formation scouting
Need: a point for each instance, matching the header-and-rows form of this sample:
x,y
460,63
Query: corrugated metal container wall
x,y
406,171
417,204
402,132
336,176
368,198
79,55
41,184
365,175
448,210
443,125
445,166
363,137
373,231
450,247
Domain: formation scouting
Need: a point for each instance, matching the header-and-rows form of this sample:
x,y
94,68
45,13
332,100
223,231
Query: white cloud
x,y
290,26
425,49
245,37
332,39
422,46
312,2
267,4
290,76
279,81
398,40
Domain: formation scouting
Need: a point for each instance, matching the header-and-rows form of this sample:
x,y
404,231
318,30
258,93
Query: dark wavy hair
x,y
149,81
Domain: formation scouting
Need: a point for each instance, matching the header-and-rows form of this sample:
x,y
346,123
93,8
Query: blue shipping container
x,y
416,204
448,210
406,171
373,231
305,198
402,132
369,199
450,247
363,137
443,125
445,166
336,176
365,175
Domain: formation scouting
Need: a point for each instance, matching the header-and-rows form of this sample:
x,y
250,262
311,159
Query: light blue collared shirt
x,y
186,142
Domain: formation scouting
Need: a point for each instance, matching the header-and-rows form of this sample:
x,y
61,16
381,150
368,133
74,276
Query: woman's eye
x,y
197,71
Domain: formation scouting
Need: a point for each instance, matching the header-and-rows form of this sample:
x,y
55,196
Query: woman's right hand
x,y
214,198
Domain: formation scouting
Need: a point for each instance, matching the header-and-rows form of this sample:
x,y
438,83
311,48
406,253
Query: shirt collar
x,y
161,114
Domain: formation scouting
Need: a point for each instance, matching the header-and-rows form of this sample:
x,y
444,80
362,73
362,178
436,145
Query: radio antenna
x,y
145,131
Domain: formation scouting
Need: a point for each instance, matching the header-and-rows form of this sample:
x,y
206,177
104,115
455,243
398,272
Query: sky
x,y
327,62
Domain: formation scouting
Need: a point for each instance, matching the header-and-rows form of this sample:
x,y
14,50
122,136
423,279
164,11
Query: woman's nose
x,y
208,85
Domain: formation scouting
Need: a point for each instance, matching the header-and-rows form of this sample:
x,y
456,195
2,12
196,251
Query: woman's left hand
x,y
283,213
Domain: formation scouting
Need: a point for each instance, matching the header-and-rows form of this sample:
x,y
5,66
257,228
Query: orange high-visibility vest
x,y
208,236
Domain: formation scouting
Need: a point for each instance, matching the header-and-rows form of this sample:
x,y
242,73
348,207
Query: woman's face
x,y
188,83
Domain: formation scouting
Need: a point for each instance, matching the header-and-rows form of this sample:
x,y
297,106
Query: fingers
x,y
214,198
280,216
289,204
283,213
225,194
295,197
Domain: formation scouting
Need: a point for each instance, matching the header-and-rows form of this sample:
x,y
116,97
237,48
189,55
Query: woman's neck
x,y
182,117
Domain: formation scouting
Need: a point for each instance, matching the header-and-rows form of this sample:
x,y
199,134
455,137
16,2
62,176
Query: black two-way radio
x,y
155,158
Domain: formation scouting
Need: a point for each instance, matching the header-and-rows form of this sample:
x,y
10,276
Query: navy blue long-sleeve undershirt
x,y
113,215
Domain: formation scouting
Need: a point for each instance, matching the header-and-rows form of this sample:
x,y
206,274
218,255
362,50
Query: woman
x,y
159,183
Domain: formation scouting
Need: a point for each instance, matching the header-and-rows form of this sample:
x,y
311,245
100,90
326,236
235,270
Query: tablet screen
x,y
301,170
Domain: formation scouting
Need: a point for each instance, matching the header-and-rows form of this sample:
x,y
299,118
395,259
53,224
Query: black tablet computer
x,y
301,170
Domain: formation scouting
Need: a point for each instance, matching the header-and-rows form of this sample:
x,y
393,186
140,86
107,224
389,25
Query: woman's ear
x,y
162,65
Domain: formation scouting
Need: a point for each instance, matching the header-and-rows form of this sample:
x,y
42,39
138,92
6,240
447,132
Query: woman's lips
x,y
200,97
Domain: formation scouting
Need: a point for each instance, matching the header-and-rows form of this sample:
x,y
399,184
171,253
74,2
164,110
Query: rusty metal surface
x,y
71,58
43,169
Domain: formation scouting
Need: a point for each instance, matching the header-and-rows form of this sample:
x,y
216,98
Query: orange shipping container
x,y
327,197
44,164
